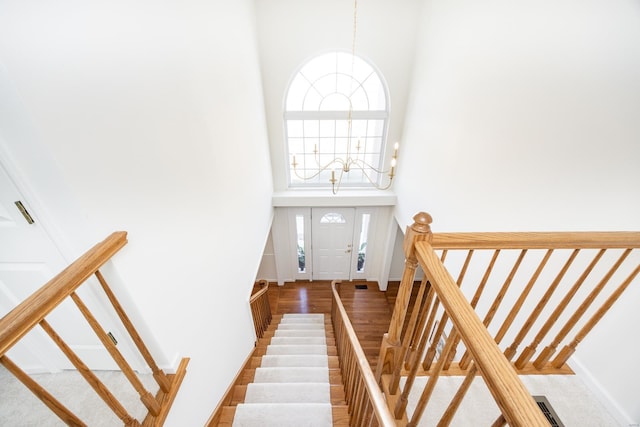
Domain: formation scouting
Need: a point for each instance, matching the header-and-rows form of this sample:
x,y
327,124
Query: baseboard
x,y
603,396
228,394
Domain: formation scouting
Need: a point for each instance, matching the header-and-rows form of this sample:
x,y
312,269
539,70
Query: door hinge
x,y
115,342
24,212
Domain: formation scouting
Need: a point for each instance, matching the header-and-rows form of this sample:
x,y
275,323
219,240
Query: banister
x,y
510,394
376,397
19,321
264,288
537,240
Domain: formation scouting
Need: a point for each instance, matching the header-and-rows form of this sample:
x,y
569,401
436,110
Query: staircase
x,y
293,378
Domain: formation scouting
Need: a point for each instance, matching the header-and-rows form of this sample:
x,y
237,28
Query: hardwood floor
x,y
368,309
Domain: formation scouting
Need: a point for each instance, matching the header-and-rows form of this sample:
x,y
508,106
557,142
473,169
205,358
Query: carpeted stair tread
x,y
283,415
303,316
292,386
301,320
300,333
287,393
295,360
298,341
301,326
291,375
297,349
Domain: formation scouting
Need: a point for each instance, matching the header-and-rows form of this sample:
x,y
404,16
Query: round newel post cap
x,y
421,222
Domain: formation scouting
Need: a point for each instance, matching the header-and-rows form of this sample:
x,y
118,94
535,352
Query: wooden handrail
x,y
33,310
24,317
536,240
510,394
263,290
362,372
260,309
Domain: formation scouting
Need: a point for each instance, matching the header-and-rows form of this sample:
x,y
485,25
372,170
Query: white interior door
x,y
29,259
332,242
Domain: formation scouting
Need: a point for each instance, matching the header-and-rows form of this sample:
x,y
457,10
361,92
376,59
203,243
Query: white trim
x,y
601,394
324,198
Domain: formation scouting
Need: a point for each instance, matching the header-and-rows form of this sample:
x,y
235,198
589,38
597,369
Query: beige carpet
x,y
568,395
291,387
20,408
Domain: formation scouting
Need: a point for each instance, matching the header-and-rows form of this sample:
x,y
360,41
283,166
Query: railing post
x,y
390,348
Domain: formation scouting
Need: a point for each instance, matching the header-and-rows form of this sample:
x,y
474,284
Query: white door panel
x,y
28,260
332,235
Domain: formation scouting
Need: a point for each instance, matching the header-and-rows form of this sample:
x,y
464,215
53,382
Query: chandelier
x,y
354,158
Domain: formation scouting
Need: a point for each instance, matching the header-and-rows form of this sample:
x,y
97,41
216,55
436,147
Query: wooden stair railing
x,y
367,406
33,311
550,284
260,309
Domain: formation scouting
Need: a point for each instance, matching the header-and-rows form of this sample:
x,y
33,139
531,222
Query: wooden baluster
x,y
519,303
420,329
449,356
401,405
147,398
90,377
158,374
52,403
359,401
429,327
546,353
390,347
408,337
575,317
431,383
451,410
568,350
431,352
530,350
466,358
499,422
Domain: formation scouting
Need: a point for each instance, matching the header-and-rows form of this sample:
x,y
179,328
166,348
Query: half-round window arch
x,y
336,106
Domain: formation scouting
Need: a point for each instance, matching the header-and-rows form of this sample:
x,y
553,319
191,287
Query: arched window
x,y
336,107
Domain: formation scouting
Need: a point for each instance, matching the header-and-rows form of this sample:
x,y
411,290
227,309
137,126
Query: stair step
x,y
299,333
294,360
298,341
297,349
256,361
301,320
291,375
283,415
303,316
301,326
287,393
336,391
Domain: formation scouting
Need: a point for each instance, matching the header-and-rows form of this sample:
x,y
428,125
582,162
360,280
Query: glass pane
x,y
362,247
300,243
322,94
332,218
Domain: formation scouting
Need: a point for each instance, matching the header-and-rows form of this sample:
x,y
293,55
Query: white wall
x,y
524,116
153,115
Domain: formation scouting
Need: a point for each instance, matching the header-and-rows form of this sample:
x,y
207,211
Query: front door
x,y
332,242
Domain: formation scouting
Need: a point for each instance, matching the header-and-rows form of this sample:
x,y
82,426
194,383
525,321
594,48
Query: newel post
x,y
391,345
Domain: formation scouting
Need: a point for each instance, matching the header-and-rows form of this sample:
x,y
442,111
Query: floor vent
x,y
362,287
548,411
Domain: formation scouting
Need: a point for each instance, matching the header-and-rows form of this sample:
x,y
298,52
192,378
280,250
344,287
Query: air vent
x,y
362,287
547,410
